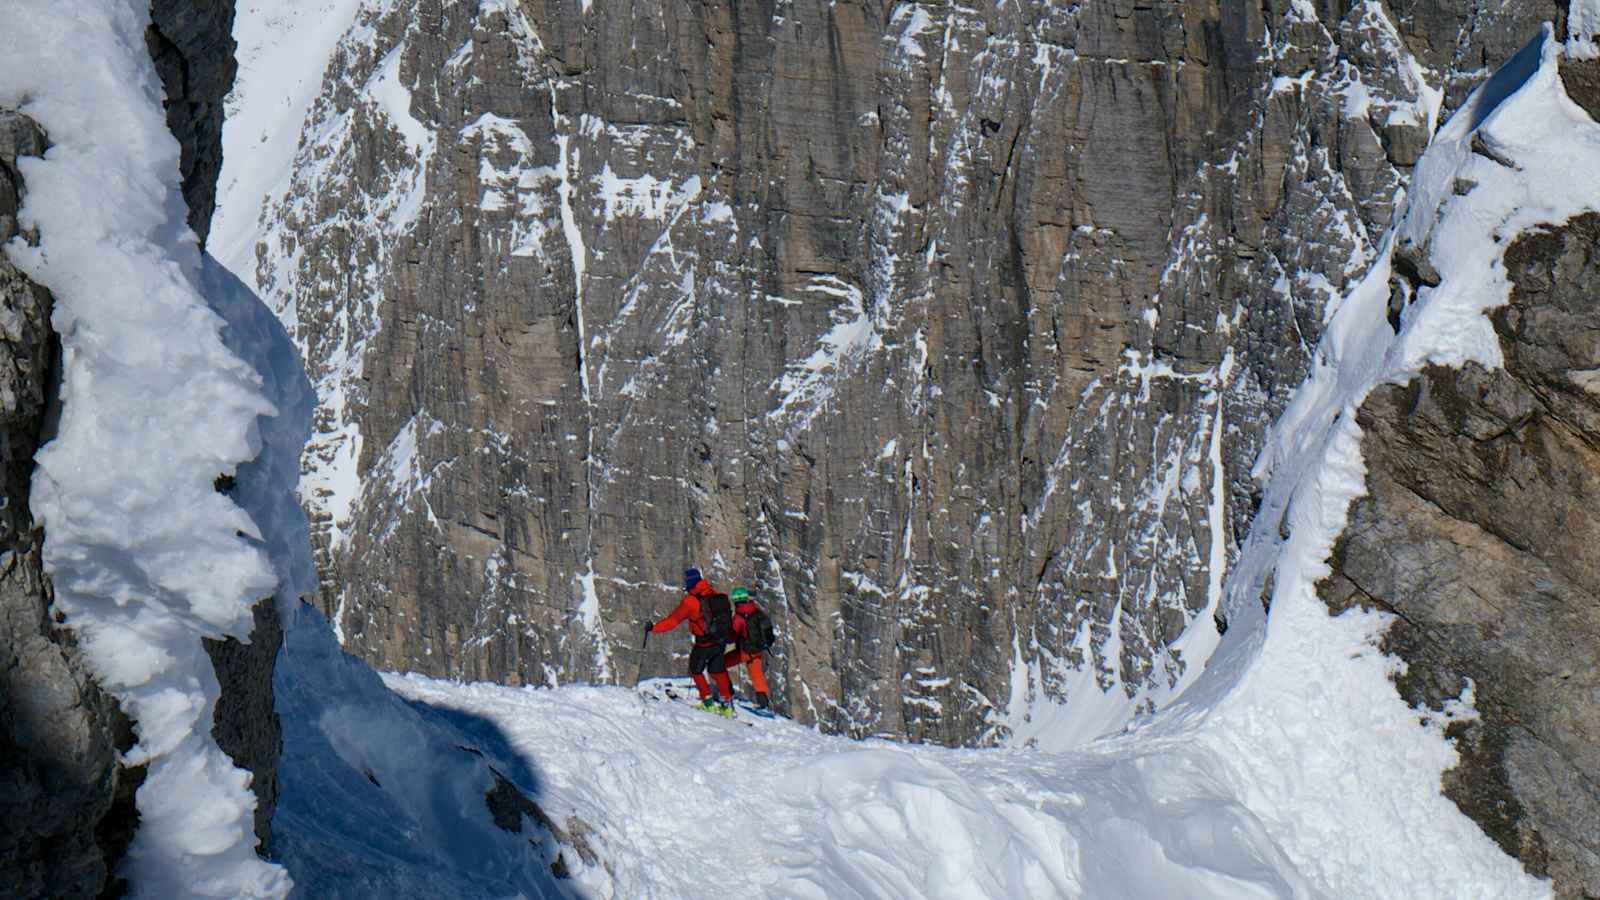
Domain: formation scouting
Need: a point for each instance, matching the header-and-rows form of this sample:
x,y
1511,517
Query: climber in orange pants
x,y
752,635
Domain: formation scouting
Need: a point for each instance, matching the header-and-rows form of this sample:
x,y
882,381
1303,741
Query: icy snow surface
x,y
146,556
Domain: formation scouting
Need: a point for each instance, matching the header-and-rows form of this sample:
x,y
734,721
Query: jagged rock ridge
x,y
1480,534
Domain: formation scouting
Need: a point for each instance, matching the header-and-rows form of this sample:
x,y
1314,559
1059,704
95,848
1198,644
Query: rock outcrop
x,y
246,724
67,809
191,43
953,330
1481,534
60,781
509,807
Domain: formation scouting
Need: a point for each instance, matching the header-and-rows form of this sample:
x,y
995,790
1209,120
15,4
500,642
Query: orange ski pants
x,y
752,662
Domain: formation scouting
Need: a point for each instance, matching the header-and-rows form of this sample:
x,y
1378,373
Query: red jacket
x,y
741,613
688,608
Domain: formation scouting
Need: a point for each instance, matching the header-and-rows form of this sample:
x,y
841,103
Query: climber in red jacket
x,y
752,635
710,617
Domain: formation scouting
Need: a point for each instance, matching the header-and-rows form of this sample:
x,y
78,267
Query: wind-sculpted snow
x,y
146,556
1199,805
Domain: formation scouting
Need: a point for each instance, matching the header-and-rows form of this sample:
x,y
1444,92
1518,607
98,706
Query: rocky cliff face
x,y
66,803
191,44
950,329
64,800
1480,533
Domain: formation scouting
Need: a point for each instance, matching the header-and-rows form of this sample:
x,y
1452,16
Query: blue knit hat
x,y
691,577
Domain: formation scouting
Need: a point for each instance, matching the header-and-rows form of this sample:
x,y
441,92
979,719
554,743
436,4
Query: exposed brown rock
x,y
1481,532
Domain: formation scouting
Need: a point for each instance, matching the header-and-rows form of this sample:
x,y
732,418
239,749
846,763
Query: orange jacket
x,y
688,608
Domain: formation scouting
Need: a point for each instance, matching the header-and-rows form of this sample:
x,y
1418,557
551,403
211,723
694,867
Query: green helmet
x,y
739,594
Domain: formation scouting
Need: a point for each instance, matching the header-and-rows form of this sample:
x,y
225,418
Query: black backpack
x,y
717,611
758,633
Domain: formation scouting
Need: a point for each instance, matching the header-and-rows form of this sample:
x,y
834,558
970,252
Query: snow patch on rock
x,y
146,556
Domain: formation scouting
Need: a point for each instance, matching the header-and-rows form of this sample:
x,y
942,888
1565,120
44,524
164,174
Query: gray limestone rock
x,y
245,724
58,731
191,43
951,330
1481,533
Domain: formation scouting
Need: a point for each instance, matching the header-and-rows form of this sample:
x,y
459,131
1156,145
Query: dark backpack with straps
x,y
758,633
717,611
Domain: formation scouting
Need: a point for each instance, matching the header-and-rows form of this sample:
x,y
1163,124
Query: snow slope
x,y
284,47
688,804
694,805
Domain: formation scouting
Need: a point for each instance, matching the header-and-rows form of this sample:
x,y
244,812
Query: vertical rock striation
x,y
951,329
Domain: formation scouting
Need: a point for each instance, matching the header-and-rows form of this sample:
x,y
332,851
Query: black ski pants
x,y
707,658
